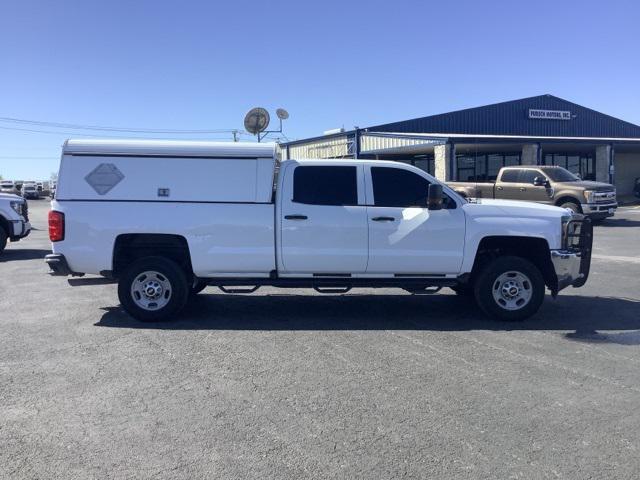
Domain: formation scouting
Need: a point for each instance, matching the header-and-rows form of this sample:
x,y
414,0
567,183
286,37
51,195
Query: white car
x,y
30,190
165,219
7,186
14,219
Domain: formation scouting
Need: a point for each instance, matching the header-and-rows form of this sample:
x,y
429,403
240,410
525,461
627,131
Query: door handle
x,y
383,219
522,189
295,217
499,188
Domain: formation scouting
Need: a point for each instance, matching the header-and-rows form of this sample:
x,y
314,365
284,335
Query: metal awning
x,y
380,143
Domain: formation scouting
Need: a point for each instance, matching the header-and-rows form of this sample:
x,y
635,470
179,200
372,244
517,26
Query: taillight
x,y
56,226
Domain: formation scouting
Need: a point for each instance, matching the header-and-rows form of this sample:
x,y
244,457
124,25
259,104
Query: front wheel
x,y
510,288
3,239
153,289
573,206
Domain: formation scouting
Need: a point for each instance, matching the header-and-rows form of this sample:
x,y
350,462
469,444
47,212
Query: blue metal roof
x,y
512,118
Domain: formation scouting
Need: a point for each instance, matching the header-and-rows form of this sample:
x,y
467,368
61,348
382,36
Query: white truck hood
x,y
9,196
488,217
524,208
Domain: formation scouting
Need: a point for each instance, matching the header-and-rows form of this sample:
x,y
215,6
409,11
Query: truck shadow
x,y
11,255
582,315
618,222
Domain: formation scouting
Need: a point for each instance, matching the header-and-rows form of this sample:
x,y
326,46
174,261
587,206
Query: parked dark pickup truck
x,y
550,185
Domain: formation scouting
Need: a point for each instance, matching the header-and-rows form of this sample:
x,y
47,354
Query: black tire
x,y
173,279
197,287
573,206
487,282
463,290
3,239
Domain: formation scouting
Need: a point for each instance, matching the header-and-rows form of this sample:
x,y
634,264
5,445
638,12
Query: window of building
x,y
393,187
582,164
423,162
466,168
484,167
321,185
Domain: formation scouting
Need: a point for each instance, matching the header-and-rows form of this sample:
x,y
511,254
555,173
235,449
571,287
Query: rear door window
x,y
325,185
510,176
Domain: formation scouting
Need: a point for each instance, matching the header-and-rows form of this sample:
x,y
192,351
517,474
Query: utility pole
x,y
235,135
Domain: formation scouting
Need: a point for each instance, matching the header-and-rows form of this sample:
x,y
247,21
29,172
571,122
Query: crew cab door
x,y
405,238
323,219
517,184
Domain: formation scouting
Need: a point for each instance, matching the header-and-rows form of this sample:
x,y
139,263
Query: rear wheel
x,y
153,289
510,288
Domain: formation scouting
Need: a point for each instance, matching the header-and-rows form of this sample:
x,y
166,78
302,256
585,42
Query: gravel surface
x,y
291,384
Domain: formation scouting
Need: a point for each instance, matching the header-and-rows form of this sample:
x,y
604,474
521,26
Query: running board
x,y
87,282
239,290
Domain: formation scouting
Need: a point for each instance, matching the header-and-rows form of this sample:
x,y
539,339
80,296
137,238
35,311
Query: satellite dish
x,y
256,120
282,114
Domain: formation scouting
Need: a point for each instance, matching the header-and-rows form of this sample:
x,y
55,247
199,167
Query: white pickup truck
x,y
166,219
14,219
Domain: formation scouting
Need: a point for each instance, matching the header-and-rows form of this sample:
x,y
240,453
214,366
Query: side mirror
x,y
434,198
540,182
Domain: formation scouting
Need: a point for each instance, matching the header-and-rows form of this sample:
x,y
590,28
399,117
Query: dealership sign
x,y
549,114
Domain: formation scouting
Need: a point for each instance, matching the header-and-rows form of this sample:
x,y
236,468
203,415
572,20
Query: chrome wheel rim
x,y
512,290
151,290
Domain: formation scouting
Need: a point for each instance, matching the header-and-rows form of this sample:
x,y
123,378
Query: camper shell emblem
x,y
104,177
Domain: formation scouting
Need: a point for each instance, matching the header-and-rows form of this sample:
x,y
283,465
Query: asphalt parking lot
x,y
292,384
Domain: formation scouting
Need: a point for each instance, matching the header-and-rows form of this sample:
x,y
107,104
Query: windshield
x,y
559,174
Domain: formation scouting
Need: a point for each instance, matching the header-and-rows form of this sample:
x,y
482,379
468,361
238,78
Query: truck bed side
x,y
223,238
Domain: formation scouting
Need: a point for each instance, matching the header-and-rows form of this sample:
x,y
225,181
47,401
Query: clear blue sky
x,y
203,64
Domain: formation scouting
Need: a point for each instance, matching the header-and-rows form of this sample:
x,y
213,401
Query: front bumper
x,y
573,262
20,230
599,210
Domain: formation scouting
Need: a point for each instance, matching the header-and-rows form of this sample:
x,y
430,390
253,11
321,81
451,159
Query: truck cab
x,y
14,219
232,216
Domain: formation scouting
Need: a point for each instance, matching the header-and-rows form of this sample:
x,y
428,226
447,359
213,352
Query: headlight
x,y
588,195
564,220
571,230
17,206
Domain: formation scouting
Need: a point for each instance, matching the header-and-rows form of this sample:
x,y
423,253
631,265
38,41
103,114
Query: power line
x,y
73,134
75,126
19,157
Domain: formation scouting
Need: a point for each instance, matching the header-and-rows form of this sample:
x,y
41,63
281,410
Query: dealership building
x,y
472,144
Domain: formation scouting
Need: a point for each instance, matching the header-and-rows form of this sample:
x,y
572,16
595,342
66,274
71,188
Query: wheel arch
x,y
133,246
534,249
